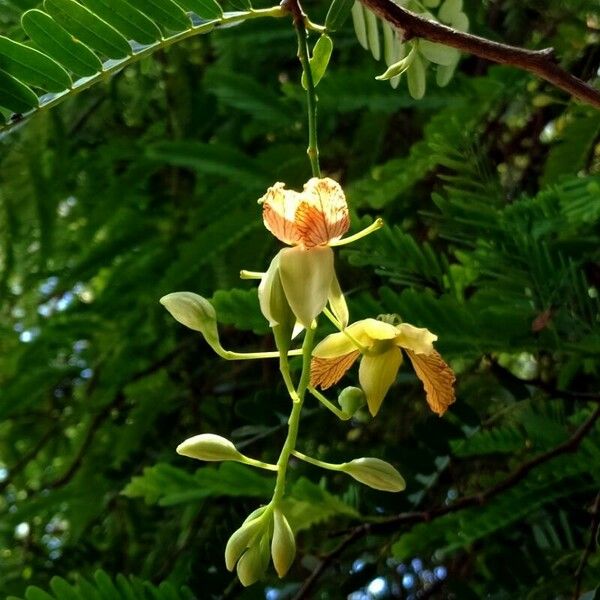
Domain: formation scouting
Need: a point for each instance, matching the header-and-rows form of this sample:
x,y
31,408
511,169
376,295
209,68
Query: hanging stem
x,y
303,54
294,420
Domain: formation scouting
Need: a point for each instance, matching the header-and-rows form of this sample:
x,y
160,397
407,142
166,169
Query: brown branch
x,y
538,62
411,518
595,524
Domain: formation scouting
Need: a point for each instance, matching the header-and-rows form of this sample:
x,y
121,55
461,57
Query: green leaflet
x,y
55,41
438,53
32,67
372,27
89,28
416,78
207,9
337,14
15,95
360,24
319,60
127,20
102,587
164,12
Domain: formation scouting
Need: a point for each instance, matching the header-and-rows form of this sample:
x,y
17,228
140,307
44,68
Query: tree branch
x,y
538,62
595,524
411,518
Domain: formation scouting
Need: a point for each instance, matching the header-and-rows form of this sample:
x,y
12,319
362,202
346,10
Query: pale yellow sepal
x,y
337,302
306,276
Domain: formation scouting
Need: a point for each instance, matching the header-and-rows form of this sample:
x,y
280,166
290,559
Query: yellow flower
x,y
308,221
380,344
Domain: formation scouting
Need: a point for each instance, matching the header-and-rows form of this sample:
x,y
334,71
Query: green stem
x,y
317,462
230,355
294,420
340,414
311,96
258,463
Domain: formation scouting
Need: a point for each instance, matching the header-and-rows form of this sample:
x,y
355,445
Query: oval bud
x,y
252,565
375,473
209,447
244,537
283,545
194,312
351,399
275,306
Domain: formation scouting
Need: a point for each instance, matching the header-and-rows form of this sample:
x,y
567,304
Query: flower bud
x,y
209,447
375,473
194,312
275,306
283,545
254,562
351,399
244,537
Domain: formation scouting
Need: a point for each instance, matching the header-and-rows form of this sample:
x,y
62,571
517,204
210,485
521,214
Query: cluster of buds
x,y
299,285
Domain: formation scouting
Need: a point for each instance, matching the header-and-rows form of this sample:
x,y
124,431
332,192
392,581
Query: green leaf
x,y
164,12
32,67
360,24
372,25
58,43
309,504
167,485
337,14
102,587
207,9
416,78
16,96
240,308
89,28
125,19
438,53
319,60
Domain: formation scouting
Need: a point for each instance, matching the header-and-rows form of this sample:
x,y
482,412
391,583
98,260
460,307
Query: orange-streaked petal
x,y
279,212
437,377
322,215
325,372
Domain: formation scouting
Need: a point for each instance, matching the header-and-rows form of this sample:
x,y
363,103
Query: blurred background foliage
x,y
147,184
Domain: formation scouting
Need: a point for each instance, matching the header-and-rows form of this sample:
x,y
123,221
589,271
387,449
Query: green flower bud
x,y
351,399
275,306
209,447
245,536
283,545
375,473
194,312
254,562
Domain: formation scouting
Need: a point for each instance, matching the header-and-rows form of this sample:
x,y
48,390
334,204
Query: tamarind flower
x,y
309,221
381,345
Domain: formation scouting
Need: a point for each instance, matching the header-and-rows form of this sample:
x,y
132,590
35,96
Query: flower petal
x,y
325,372
438,380
334,345
376,375
306,276
417,339
322,215
379,330
279,210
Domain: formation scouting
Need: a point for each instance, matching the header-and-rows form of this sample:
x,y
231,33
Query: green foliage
x,y
102,587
